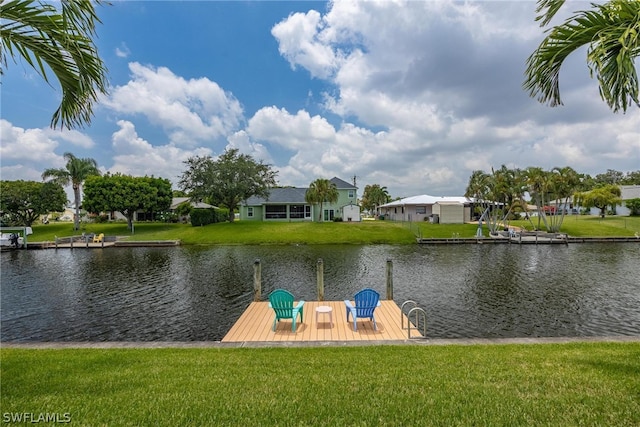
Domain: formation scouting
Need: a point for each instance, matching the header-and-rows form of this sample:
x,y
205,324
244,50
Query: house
x,y
153,216
288,204
627,192
446,210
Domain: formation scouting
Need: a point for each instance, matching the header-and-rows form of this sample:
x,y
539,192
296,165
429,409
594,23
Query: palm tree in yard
x,y
610,31
321,191
74,173
58,37
373,196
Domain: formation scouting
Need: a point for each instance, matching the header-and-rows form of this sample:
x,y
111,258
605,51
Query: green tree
x,y
373,196
321,191
227,181
75,172
60,38
564,183
164,194
634,206
495,195
612,33
631,178
22,202
539,186
479,190
610,177
600,198
126,194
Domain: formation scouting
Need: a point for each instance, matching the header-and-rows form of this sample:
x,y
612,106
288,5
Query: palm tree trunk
x,y
76,196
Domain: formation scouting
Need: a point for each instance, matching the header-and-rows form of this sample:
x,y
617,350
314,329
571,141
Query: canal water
x,y
197,293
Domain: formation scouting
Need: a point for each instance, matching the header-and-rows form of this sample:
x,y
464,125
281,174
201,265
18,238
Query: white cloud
x,y
301,43
33,145
122,51
444,81
73,137
191,111
137,157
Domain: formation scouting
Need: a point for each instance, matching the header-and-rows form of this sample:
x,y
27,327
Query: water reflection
x,y
196,293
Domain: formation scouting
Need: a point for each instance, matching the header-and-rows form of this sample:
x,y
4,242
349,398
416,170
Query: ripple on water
x,y
183,294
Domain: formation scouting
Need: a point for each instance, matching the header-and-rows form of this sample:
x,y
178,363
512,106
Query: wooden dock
x,y
255,324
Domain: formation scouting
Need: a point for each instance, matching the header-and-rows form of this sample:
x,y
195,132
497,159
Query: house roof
x,y
279,195
341,185
425,199
292,194
176,201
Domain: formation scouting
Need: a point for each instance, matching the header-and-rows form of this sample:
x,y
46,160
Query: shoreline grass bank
x,y
362,233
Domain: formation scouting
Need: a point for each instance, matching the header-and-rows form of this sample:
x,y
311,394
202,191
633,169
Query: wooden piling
x,y
320,276
257,280
389,279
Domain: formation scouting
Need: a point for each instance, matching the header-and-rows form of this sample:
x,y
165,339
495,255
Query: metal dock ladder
x,y
419,312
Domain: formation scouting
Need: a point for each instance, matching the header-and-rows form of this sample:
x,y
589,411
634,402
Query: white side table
x,y
325,309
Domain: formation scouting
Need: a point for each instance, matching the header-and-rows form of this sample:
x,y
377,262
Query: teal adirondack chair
x,y
282,303
366,302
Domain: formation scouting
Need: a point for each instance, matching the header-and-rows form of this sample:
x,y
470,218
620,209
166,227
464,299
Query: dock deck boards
x,y
254,325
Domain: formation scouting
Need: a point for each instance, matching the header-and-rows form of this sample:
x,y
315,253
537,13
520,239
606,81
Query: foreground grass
x,y
365,232
511,385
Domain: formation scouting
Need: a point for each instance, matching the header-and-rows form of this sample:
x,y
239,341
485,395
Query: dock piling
x,y
257,280
389,279
320,276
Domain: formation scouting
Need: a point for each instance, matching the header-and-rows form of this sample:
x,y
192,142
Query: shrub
x,y
634,206
201,217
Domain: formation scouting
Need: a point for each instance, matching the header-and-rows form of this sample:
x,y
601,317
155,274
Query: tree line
x,y
498,195
232,178
226,181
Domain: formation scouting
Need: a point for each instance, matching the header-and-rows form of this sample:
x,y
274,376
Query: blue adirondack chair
x,y
282,303
366,302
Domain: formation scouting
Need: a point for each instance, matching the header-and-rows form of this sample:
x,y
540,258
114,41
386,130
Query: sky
x,y
410,95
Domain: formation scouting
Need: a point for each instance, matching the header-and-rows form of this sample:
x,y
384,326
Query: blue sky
x,y
412,95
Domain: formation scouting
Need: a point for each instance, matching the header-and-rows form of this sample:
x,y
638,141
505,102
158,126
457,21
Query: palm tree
x,y
74,173
482,190
539,186
62,39
610,31
321,191
565,183
373,196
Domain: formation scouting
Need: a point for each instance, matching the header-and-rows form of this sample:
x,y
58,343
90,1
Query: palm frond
x,y
59,41
612,33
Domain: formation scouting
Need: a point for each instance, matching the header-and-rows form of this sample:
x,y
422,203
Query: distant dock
x,y
106,243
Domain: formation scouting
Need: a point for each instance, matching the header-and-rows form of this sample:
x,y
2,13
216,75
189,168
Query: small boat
x,y
14,239
11,240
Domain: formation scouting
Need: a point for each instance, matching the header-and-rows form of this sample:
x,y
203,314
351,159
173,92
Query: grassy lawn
x,y
365,232
510,385
593,226
244,232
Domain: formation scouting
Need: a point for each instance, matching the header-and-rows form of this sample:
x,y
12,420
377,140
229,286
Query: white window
x,y
352,194
250,212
